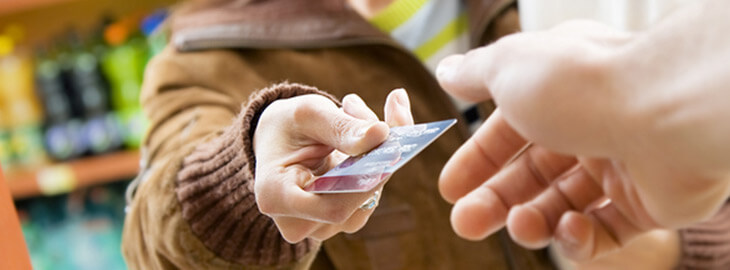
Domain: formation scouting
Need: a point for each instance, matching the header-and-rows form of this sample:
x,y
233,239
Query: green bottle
x,y
124,63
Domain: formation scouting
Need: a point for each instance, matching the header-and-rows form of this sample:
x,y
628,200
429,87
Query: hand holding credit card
x,y
364,172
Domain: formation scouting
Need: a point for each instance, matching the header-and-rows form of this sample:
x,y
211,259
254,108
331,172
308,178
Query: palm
x,y
540,194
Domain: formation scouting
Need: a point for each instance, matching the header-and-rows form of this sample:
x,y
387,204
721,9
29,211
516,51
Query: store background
x,y
70,120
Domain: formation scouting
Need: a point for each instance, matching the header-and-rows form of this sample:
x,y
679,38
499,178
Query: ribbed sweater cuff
x,y
707,245
215,191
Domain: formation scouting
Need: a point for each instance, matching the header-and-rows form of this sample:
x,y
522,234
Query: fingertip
x,y
465,76
445,184
378,132
574,237
401,98
349,101
478,215
398,108
369,137
355,106
401,95
527,226
462,227
444,190
352,97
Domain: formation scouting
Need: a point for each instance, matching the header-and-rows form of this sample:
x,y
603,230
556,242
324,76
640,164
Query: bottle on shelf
x,y
151,27
124,65
62,129
100,130
20,105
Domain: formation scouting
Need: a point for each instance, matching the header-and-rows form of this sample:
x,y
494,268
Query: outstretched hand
x,y
608,158
305,136
497,179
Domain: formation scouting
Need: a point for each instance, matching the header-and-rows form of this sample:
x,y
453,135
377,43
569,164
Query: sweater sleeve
x,y
194,207
215,190
707,245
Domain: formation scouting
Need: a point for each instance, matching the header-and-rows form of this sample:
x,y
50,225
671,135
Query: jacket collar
x,y
210,24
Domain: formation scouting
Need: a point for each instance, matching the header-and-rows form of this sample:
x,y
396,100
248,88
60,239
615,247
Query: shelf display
x,y
71,123
75,101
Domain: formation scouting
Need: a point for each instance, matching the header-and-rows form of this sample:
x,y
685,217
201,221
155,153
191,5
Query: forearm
x,y
215,190
672,83
194,207
676,74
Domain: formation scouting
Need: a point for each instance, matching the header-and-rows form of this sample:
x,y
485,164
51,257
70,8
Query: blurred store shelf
x,y
64,177
12,6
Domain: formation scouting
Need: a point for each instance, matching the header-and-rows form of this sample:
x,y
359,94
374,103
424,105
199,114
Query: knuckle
x,y
295,231
265,206
292,236
341,127
307,107
303,111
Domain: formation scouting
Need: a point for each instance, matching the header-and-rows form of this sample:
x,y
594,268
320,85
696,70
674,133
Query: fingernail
x,y
567,241
446,69
401,97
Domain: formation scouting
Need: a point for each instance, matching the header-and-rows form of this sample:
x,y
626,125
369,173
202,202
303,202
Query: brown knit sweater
x,y
707,245
215,190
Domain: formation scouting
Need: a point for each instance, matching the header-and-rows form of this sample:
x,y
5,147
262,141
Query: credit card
x,y
364,172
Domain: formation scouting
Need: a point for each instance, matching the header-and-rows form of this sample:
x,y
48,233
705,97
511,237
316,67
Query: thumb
x,y
465,76
319,119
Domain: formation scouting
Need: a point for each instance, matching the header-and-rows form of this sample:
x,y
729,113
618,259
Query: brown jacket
x,y
195,208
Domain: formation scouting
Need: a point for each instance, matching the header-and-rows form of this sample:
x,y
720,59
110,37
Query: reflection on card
x,y
364,172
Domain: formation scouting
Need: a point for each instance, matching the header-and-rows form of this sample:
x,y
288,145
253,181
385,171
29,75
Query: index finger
x,y
486,152
317,117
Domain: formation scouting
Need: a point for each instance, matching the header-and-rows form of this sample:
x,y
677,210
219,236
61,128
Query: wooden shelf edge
x,y
14,6
84,172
